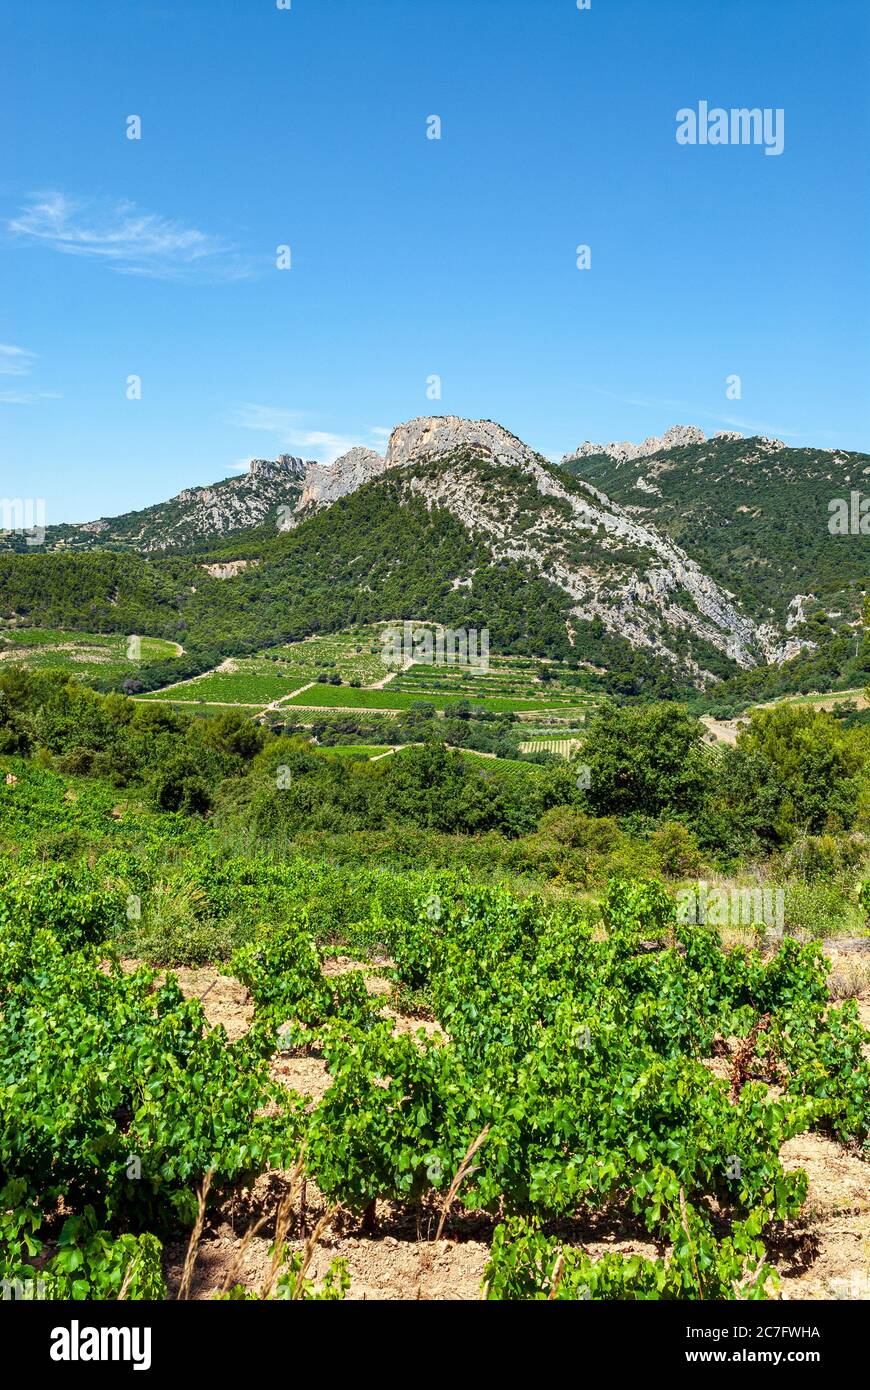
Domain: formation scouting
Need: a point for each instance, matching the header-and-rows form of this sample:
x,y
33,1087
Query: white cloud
x,y
14,361
291,436
28,397
130,241
17,361
265,417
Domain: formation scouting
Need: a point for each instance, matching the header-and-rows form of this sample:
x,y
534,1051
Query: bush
x,y
676,850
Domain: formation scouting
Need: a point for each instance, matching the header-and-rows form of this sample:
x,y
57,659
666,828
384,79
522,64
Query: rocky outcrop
x,y
229,569
326,483
435,436
674,438
284,466
427,437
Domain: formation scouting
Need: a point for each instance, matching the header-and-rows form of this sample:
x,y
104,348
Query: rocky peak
x,y
284,465
674,438
325,483
433,436
420,440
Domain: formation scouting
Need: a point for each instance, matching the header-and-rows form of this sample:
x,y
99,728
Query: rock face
x,y
434,436
284,466
674,438
326,483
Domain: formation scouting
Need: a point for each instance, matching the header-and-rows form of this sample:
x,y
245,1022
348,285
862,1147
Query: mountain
x,y
195,516
753,513
689,558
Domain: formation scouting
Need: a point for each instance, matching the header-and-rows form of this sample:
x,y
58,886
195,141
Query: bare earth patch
x,y
832,1236
224,1000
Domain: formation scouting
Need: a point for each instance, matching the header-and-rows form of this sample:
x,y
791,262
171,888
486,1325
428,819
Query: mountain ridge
x,y
631,541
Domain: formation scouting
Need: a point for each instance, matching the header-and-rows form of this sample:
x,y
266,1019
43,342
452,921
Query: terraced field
x,y
352,655
293,675
249,681
82,654
348,697
564,747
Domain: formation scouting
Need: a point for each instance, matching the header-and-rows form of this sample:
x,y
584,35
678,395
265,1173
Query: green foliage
x,y
525,1265
88,1263
646,761
113,1094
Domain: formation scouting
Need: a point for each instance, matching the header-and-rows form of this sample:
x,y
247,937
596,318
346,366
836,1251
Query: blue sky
x,y
414,257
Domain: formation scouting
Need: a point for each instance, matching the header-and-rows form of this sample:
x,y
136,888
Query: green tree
x,y
647,761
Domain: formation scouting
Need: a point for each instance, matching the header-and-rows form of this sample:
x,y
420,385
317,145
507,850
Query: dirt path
x,y
721,730
407,663
276,704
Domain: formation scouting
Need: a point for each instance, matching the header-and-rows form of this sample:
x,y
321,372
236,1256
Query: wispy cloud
x,y
15,361
129,240
290,432
28,397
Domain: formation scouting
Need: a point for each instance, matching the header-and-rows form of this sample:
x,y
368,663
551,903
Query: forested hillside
x,y
753,515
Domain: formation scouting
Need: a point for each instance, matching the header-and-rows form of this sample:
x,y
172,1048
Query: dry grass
x,y
849,977
465,1168
195,1237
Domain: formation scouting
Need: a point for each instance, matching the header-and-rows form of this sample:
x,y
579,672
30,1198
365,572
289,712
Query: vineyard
x,y
580,1070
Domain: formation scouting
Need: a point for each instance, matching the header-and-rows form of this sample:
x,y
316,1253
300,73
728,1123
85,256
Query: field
x,y
81,654
346,697
824,701
563,747
406,1086
507,678
295,675
252,682
353,655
